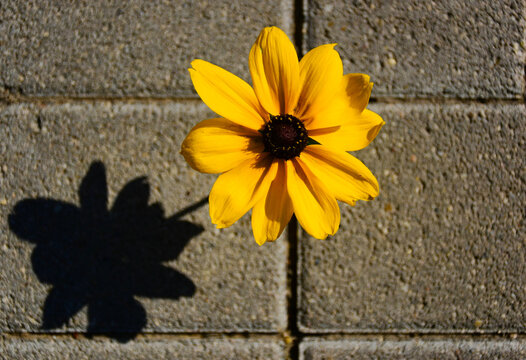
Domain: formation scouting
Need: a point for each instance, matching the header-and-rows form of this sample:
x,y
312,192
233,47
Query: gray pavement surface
x,y
104,229
446,48
314,349
443,247
142,349
112,254
125,48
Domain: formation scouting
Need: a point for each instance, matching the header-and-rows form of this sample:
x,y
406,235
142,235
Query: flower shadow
x,y
103,258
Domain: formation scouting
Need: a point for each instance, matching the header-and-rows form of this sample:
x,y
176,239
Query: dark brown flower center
x,y
284,136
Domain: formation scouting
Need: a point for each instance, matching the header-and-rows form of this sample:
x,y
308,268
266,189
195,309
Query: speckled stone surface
x,y
126,48
141,349
413,48
106,245
98,231
442,248
343,349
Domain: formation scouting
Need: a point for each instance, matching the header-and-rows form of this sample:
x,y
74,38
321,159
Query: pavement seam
x,y
145,335
195,100
294,336
520,336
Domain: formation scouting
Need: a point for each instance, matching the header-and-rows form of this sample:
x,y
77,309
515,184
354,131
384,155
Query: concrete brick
x,y
126,48
443,246
138,267
141,349
313,349
466,49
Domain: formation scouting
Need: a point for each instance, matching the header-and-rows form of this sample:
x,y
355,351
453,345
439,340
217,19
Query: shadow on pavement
x,y
102,258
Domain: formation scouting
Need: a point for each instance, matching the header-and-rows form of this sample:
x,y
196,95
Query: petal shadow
x,y
102,258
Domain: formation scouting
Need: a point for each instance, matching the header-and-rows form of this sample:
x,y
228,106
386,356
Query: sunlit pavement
x,y
106,245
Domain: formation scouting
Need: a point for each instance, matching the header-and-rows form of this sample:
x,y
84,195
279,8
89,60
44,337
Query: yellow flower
x,y
281,146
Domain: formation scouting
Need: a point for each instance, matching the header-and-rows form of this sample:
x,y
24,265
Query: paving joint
x,y
291,338
295,336
182,99
146,335
97,99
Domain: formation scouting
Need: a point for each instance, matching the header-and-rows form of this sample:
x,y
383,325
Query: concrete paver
x,y
104,229
126,48
314,349
141,349
96,234
465,49
442,248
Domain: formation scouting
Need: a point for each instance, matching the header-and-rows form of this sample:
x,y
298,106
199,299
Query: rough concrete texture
x,y
451,48
142,349
130,48
87,245
313,349
443,247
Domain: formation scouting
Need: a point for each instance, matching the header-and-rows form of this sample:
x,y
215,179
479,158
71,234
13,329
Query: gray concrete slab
x,y
466,49
126,48
98,231
442,248
314,349
141,349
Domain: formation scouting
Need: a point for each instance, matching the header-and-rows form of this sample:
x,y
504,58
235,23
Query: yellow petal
x,y
274,67
273,212
218,145
321,73
349,101
346,176
314,205
226,94
355,134
357,89
236,191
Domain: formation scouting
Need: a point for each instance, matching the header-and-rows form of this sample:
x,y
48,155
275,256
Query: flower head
x,y
281,146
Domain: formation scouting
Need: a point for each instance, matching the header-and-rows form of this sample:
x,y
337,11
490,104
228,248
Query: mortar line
x,y
182,334
393,336
59,99
295,335
189,99
441,100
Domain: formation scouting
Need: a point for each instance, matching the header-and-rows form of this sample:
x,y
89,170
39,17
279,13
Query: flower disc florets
x,y
284,136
